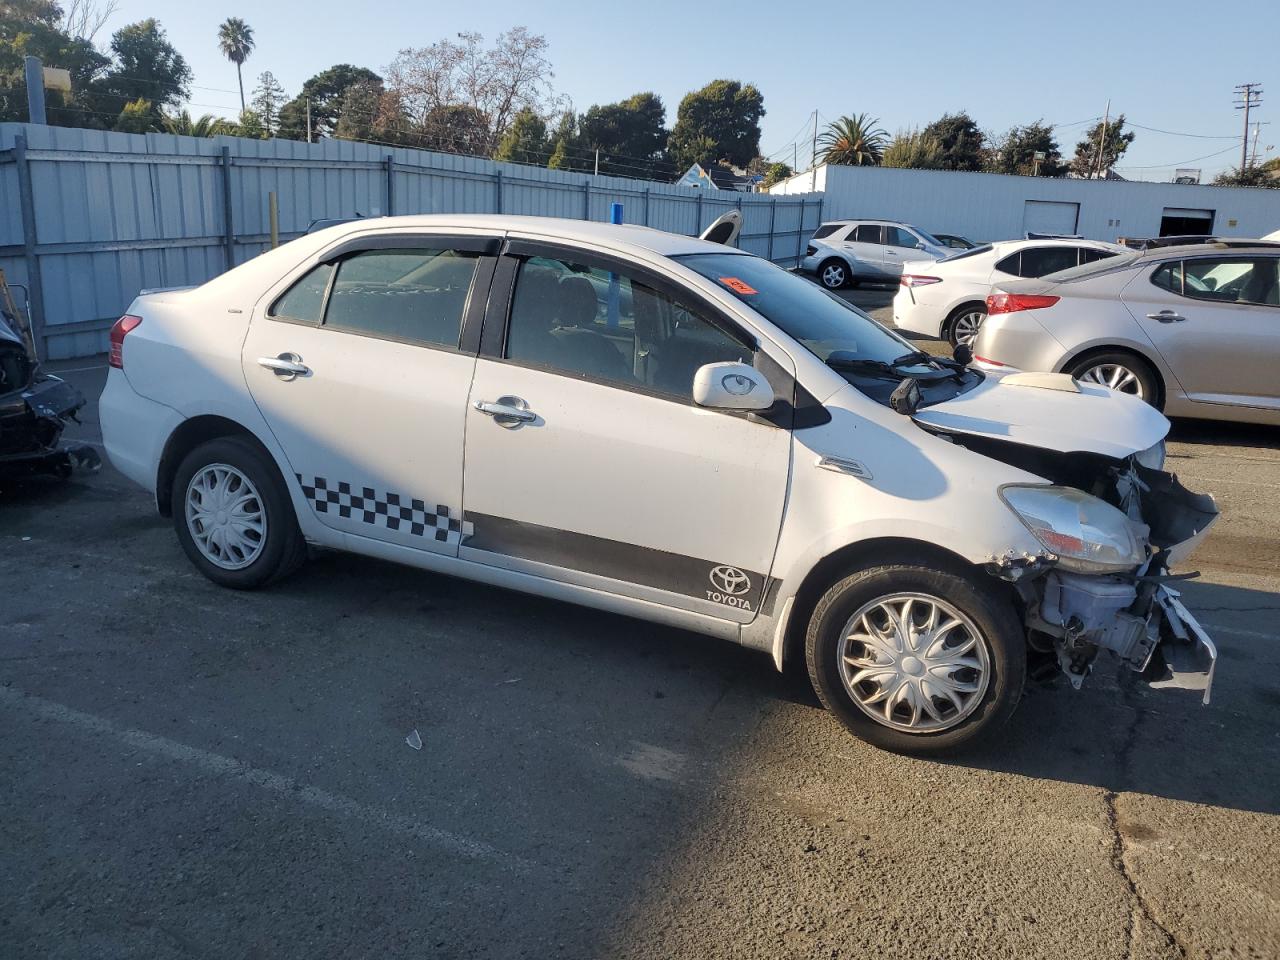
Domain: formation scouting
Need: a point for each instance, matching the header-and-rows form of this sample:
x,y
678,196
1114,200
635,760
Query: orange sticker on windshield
x,y
737,286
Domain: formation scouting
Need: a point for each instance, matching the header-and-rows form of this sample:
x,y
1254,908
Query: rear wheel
x,y
233,515
964,324
1120,371
833,273
915,659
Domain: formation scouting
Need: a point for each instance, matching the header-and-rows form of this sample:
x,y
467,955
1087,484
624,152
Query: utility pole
x,y
308,119
813,161
1102,137
1248,96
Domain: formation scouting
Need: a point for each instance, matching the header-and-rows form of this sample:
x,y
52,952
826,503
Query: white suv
x,y
667,428
847,252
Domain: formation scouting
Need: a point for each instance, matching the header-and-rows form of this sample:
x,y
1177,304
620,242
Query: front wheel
x,y
915,659
233,515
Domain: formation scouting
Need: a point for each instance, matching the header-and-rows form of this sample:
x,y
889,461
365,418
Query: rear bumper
x,y
914,316
1019,340
134,430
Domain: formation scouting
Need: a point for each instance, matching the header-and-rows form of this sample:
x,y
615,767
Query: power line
x,y
1174,133
1179,163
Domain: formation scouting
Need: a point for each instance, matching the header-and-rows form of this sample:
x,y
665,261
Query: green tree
x,y
776,173
960,139
1099,151
1015,152
251,125
719,122
631,135
136,117
1264,175
559,157
359,118
325,91
235,40
268,98
855,141
208,125
913,149
525,140
145,67
35,28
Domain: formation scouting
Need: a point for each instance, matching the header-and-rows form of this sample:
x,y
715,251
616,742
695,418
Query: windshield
x,y
871,357
821,321
929,238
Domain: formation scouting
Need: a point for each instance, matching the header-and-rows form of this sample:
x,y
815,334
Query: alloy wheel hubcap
x,y
833,276
914,662
225,516
967,325
1116,376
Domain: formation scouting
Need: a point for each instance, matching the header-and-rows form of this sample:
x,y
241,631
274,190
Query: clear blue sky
x,y
1169,65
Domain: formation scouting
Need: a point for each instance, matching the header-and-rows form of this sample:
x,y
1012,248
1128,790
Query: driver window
x,y
592,323
900,238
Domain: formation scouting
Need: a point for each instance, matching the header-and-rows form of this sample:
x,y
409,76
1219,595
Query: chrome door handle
x,y
507,411
286,366
1166,316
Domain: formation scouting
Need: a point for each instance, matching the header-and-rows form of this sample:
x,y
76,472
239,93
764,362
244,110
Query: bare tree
x,y
492,83
82,19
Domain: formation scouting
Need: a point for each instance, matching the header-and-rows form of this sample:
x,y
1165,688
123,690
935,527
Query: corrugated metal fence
x,y
88,218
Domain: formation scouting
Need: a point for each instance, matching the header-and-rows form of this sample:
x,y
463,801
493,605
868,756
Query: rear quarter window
x,y
826,230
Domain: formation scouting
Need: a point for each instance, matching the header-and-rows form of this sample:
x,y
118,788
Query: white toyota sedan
x,y
666,428
947,299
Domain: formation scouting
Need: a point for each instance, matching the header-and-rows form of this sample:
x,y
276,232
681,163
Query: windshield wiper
x,y
839,360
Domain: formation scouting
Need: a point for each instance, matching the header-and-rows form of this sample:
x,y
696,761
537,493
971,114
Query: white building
x,y
989,206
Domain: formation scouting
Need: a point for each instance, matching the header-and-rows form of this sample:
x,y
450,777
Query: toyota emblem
x,y
730,580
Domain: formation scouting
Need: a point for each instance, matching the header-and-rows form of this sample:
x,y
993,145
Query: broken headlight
x,y
1086,534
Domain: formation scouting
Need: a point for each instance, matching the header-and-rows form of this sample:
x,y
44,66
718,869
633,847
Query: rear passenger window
x,y
868,233
592,323
1091,255
1040,261
413,295
304,301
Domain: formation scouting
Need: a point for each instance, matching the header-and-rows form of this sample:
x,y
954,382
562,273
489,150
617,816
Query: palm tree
x,y
205,126
854,141
235,40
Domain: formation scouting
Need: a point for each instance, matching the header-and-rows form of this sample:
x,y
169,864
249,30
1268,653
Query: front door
x,y
1216,322
900,246
356,368
586,459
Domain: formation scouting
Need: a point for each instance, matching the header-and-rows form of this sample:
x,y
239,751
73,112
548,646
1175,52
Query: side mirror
x,y
963,354
920,245
731,386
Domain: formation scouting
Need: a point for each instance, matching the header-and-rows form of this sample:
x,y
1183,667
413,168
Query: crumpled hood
x,y
1053,412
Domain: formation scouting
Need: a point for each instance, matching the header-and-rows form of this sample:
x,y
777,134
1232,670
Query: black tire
x,y
961,311
1142,371
997,626
283,549
836,264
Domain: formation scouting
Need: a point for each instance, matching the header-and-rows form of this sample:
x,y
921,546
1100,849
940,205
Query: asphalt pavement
x,y
194,772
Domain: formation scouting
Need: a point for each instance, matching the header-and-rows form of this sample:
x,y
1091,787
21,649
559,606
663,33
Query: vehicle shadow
x,y
1118,734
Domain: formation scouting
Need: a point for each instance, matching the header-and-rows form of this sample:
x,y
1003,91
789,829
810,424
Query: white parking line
x,y
56,373
275,783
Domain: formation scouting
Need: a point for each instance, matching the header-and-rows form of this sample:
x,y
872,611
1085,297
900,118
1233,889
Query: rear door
x,y
587,461
1216,322
865,243
358,367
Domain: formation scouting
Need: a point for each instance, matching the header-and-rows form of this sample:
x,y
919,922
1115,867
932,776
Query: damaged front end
x,y
1112,531
34,410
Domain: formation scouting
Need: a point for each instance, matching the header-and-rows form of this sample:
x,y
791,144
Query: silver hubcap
x,y
914,662
1116,376
225,516
967,324
833,276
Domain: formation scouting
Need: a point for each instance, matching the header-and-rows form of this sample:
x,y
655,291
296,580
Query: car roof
x,y
561,228
898,223
1235,247
1001,245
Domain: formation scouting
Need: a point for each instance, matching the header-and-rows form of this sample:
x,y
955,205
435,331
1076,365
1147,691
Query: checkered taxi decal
x,y
393,511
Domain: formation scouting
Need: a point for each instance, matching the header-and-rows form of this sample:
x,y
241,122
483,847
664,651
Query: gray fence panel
x,y
115,213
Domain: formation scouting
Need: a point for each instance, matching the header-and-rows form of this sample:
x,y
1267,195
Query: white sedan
x,y
667,428
946,299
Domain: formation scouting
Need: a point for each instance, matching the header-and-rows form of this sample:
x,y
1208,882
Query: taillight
x,y
916,280
118,330
1013,302
810,250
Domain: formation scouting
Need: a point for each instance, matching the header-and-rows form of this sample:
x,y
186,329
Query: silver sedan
x,y
1193,330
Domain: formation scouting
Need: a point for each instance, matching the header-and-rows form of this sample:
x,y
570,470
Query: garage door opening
x,y
1181,222
1049,217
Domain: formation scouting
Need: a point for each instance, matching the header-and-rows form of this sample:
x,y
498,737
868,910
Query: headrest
x,y
578,303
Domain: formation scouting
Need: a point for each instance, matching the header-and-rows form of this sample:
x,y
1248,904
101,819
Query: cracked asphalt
x,y
192,772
